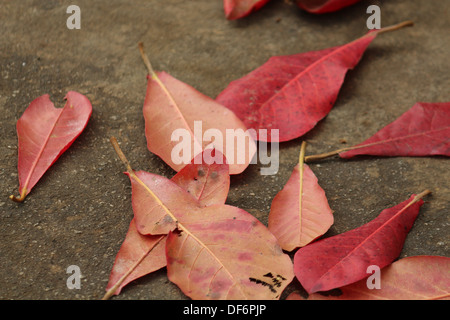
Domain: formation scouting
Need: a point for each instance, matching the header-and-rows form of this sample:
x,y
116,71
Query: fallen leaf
x,y
223,252
45,133
423,130
140,254
228,253
236,9
411,278
292,93
172,106
209,183
295,296
343,259
324,6
300,212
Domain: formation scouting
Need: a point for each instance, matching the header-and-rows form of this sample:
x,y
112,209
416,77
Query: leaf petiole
x,y
23,195
395,27
327,154
136,178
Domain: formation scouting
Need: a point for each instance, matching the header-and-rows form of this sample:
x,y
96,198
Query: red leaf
x,y
139,254
172,106
44,133
324,6
292,93
343,259
300,212
235,9
411,278
424,130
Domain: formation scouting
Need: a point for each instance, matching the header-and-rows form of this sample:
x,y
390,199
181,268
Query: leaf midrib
x,y
181,227
372,234
166,91
311,66
41,151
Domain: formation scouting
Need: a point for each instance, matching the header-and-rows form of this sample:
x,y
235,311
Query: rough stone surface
x,y
79,212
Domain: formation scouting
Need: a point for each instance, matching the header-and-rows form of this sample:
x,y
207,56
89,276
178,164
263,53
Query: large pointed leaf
x,y
343,259
324,6
424,130
140,254
292,93
223,252
411,278
235,9
300,212
181,122
44,133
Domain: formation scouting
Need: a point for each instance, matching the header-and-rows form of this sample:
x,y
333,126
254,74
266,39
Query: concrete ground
x,y
79,212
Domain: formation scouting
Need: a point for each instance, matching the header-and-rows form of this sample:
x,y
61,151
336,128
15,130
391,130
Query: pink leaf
x,y
208,183
223,252
140,254
45,133
300,212
226,252
172,105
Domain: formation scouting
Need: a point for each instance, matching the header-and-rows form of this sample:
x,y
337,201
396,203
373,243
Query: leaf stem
x,y
327,154
301,157
417,198
167,93
146,60
136,178
421,195
395,27
21,198
121,155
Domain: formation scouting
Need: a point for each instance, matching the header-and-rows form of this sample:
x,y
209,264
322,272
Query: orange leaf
x,y
300,212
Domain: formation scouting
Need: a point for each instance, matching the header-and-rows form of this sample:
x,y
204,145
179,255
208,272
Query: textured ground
x,y
78,214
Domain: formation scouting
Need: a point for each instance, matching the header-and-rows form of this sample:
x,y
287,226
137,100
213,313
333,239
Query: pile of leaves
x,y
216,251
